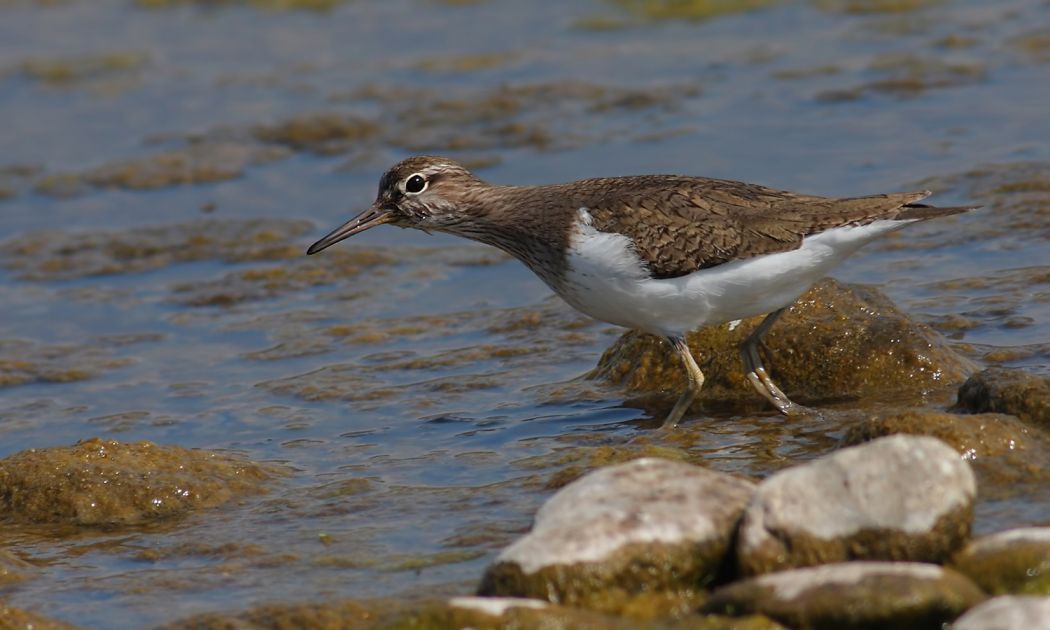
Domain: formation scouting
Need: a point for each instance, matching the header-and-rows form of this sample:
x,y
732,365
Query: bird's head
x,y
423,192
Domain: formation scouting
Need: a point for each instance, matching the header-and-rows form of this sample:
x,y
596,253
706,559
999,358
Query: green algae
x,y
63,255
108,483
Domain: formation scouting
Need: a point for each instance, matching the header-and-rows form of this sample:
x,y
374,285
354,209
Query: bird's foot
x,y
764,385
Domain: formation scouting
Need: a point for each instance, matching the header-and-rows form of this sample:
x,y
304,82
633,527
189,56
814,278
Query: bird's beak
x,y
376,215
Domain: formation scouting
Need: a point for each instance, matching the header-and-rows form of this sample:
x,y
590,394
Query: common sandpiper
x,y
664,254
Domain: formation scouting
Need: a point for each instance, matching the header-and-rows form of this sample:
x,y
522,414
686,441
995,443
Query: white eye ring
x,y
414,184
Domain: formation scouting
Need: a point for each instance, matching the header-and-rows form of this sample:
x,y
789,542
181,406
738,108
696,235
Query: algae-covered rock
x,y
196,163
60,255
1026,396
899,595
896,498
838,341
975,436
1013,561
105,482
336,614
1007,612
23,362
648,525
495,613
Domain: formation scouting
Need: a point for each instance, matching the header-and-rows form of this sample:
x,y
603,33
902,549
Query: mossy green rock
x,y
973,435
836,342
1013,561
899,595
1001,390
900,497
648,526
108,483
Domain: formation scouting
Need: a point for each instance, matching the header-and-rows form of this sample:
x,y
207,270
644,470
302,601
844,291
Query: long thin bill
x,y
368,219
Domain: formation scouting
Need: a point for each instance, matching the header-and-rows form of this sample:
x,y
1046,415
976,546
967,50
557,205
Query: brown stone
x,y
837,342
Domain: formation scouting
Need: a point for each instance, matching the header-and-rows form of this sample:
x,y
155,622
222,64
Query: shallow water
x,y
417,389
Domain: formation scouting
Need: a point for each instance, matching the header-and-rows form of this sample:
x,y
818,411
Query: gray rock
x,y
899,595
647,525
1013,561
1007,612
900,497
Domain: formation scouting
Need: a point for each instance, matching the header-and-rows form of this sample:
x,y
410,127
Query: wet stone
x,y
1002,390
109,483
66,255
493,613
974,436
836,342
899,595
647,525
1007,612
1012,561
338,614
896,498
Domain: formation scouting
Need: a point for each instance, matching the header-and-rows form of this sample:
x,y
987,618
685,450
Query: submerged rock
x,y
1013,561
1026,396
896,498
899,595
105,482
648,525
1007,612
837,341
60,255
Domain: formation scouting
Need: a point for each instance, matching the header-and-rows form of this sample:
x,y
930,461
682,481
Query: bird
x,y
662,254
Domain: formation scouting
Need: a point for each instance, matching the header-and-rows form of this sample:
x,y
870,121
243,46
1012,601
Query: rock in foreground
x,y
837,342
901,595
1007,613
643,526
1014,561
105,482
896,498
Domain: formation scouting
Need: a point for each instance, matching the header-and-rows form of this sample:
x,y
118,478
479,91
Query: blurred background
x,y
164,164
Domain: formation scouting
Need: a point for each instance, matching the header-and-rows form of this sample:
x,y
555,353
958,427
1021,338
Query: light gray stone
x,y
649,524
1007,612
1011,561
900,497
899,595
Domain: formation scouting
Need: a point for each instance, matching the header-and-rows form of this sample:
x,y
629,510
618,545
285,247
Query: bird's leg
x,y
757,374
696,381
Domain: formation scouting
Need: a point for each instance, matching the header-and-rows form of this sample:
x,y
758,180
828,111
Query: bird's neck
x,y
528,222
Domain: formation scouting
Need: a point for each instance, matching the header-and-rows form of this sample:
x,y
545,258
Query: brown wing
x,y
681,224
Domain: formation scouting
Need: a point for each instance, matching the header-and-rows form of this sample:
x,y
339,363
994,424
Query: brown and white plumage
x,y
661,253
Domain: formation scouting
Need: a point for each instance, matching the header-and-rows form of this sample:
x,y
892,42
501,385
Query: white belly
x,y
606,280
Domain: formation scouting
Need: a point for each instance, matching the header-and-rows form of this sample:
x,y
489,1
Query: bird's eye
x,y
415,184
